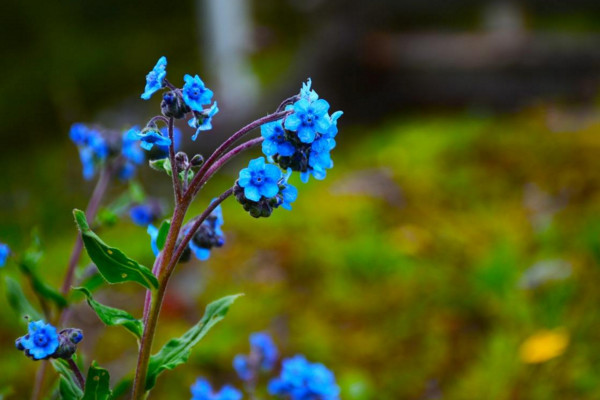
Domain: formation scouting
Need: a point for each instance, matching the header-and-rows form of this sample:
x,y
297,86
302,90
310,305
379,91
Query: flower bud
x,y
173,106
181,160
197,160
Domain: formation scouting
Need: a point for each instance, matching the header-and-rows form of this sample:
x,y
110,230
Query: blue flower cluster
x,y
93,148
302,380
262,187
202,390
132,154
176,103
40,342
4,253
303,141
263,356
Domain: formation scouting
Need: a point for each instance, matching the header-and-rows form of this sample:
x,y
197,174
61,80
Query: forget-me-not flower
x,y
195,94
41,340
4,253
202,121
259,179
155,80
202,390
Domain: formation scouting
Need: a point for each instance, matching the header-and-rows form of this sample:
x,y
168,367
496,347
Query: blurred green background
x,y
453,252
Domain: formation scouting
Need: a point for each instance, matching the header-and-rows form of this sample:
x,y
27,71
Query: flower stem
x,y
78,375
197,181
174,169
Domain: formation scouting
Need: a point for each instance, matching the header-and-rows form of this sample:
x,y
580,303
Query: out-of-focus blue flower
x,y
132,154
275,141
202,121
195,94
153,232
308,119
209,235
263,356
142,214
302,380
155,79
202,390
151,137
41,340
4,253
259,179
93,148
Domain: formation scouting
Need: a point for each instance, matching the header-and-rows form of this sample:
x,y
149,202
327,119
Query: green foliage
x,y
18,301
112,263
164,164
29,267
163,231
97,384
68,387
114,316
177,351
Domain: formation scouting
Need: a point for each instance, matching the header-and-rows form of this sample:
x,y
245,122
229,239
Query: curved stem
x,y
139,384
196,182
174,169
158,118
78,375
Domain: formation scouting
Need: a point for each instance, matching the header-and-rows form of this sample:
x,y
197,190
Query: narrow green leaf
x,y
163,164
28,265
69,388
112,263
18,301
163,231
177,351
113,316
97,384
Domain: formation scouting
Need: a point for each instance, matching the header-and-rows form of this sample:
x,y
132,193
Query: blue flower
x,y
195,94
202,390
155,79
151,137
202,121
127,171
41,340
307,93
93,148
153,232
208,235
4,253
302,380
263,356
275,140
142,214
259,179
288,193
130,148
308,119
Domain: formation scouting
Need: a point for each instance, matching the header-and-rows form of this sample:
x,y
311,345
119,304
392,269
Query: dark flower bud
x,y
197,160
187,253
297,161
173,105
262,208
182,160
67,343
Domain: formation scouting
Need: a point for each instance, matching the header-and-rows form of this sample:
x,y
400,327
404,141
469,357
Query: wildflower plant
x,y
297,137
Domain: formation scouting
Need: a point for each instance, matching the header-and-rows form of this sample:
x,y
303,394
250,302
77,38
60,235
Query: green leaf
x,y
69,388
28,265
177,351
97,384
112,263
163,164
113,316
18,301
163,231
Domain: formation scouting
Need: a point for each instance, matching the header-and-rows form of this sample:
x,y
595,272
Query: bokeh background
x,y
453,252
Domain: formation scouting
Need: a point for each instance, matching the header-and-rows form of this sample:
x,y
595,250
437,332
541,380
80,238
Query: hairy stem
x,y
196,182
78,375
174,169
152,308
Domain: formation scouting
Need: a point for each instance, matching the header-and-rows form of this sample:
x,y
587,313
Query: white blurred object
x,y
228,34
545,271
